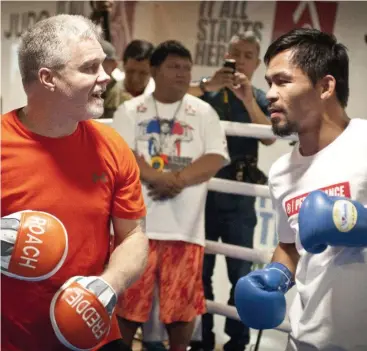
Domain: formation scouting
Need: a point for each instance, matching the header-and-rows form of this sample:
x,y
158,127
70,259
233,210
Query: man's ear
x,y
327,86
47,78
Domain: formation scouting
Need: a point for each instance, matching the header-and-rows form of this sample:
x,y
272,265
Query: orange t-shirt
x,y
83,179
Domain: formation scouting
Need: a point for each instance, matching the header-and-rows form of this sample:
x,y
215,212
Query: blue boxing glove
x,y
324,220
259,296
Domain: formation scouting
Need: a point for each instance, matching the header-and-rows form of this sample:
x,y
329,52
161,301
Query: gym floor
x,y
271,340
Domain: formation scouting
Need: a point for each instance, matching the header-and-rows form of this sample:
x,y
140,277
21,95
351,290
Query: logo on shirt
x,y
189,110
99,178
292,206
141,108
164,138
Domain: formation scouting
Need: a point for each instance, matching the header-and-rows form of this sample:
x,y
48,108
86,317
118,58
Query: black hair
x,y
169,47
317,54
138,50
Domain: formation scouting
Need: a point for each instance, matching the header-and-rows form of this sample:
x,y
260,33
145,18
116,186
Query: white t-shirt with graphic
x,y
329,312
170,137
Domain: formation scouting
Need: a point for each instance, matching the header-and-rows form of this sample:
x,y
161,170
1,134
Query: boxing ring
x,y
257,256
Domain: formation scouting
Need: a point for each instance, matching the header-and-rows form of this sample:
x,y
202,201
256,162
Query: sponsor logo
x,y
344,215
293,205
102,178
304,14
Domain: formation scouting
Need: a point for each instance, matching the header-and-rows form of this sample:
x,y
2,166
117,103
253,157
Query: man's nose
x,y
103,77
272,94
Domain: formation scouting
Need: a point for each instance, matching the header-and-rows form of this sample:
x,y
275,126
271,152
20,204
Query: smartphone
x,y
230,63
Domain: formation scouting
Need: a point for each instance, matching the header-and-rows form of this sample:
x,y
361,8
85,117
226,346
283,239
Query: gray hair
x,y
248,36
46,44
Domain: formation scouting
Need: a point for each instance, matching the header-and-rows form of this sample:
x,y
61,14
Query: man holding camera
x,y
233,217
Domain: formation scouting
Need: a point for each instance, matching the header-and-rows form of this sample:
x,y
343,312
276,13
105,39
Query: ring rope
x,y
252,130
249,130
231,312
242,253
239,188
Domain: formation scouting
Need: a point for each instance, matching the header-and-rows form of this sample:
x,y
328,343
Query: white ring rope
x,y
238,252
249,130
239,188
252,130
231,312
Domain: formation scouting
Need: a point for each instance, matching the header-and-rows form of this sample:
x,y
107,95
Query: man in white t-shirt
x,y
179,145
322,238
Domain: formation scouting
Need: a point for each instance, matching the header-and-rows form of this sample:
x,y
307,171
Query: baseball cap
x,y
109,50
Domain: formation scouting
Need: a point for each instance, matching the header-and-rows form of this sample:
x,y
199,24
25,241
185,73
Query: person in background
x,y
229,217
113,96
179,145
135,78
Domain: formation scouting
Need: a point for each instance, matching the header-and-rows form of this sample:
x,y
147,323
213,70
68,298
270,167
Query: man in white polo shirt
x,y
179,145
319,191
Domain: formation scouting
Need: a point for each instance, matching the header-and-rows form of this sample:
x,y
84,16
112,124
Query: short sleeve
x,y
262,101
124,123
128,201
215,138
283,229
